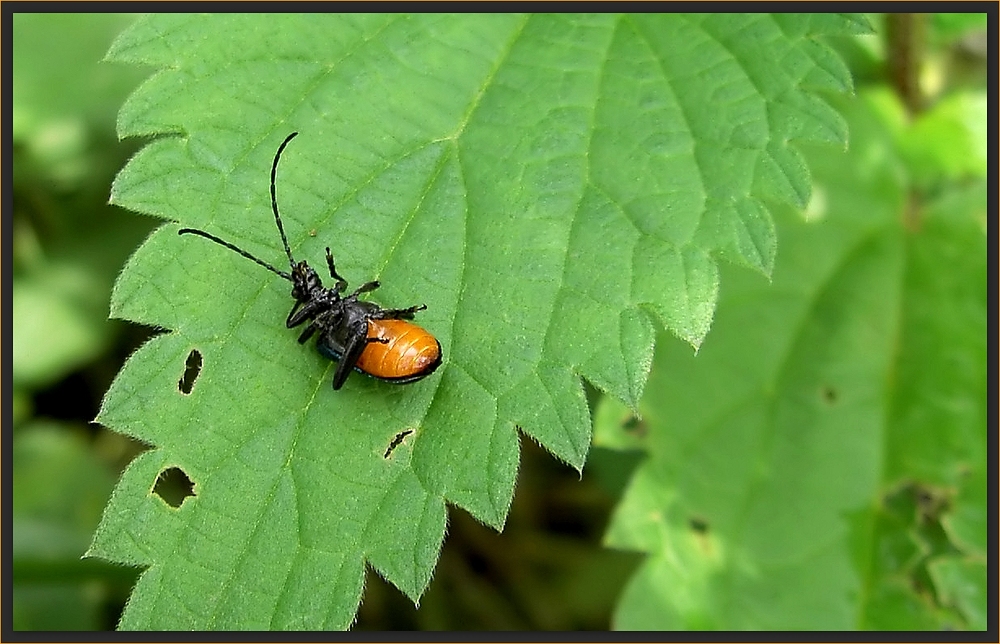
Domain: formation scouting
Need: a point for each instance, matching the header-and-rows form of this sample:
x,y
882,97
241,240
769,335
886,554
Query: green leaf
x,y
773,456
546,185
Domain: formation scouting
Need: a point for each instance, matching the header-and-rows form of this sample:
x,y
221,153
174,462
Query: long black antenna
x,y
277,219
274,199
202,233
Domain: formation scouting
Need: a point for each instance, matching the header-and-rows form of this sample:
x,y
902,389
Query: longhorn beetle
x,y
360,335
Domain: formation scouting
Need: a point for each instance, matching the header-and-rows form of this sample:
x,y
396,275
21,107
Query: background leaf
x,y
545,184
811,468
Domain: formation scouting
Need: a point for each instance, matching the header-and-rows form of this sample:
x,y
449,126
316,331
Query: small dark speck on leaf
x,y
829,394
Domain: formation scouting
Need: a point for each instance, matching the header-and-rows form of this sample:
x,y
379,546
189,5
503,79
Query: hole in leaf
x,y
173,486
396,442
191,370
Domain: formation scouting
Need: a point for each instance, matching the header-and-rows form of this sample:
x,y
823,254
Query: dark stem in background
x,y
906,41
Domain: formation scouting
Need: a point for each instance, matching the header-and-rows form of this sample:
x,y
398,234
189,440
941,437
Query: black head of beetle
x,y
358,335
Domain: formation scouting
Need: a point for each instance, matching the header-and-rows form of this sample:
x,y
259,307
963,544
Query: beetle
x,y
358,335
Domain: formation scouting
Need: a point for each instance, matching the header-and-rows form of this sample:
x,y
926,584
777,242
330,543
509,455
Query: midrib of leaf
x,y
811,303
463,283
487,82
394,244
498,510
264,507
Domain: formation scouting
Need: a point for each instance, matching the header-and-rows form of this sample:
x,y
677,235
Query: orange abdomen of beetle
x,y
410,354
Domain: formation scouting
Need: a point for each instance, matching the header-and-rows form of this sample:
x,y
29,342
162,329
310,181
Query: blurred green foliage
x,y
68,246
822,463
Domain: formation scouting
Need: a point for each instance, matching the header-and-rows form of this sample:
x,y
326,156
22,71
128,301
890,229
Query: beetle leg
x,y
366,288
308,333
399,314
356,343
291,314
341,282
299,315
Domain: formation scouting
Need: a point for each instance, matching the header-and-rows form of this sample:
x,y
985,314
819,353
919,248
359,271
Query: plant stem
x,y
906,43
